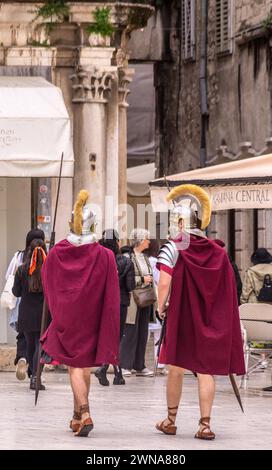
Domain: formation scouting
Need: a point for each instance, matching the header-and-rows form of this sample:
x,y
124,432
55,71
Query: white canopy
x,y
34,129
138,178
242,184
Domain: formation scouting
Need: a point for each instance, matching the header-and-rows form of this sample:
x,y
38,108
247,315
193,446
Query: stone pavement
x,y
124,416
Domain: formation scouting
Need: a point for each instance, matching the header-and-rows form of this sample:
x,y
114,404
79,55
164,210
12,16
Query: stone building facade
x,y
214,100
93,74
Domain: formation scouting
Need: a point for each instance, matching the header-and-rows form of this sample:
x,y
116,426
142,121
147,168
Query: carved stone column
x,y
91,89
125,78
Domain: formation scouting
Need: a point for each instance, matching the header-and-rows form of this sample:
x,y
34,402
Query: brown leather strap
x,y
84,409
76,415
170,413
205,421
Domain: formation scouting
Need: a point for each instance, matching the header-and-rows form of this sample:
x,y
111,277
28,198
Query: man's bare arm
x,y
164,287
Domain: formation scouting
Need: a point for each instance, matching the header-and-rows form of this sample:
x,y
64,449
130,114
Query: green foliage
x,y
38,44
102,24
52,9
267,23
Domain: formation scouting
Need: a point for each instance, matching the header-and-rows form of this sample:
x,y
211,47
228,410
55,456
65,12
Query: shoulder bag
x,y
144,296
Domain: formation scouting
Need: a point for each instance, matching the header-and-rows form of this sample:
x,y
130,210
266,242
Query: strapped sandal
x,y
169,428
76,417
203,434
86,425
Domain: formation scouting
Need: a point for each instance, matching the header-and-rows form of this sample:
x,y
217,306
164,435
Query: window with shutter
x,y
223,25
188,29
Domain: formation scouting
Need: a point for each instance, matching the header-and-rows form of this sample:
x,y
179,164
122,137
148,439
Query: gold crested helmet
x,y
82,223
192,204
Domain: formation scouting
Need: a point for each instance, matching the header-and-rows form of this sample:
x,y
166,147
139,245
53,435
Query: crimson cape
x,y
81,289
203,332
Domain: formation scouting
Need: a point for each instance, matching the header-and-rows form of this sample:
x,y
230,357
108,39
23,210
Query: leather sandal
x,y
169,428
203,434
86,425
76,417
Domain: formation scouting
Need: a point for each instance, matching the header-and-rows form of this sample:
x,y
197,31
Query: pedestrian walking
x,y
19,257
134,341
81,288
126,275
28,286
197,293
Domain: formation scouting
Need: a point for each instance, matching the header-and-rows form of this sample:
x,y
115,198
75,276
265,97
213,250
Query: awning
x,y
242,184
138,178
34,129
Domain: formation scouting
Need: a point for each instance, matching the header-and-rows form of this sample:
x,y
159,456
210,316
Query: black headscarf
x,y
261,256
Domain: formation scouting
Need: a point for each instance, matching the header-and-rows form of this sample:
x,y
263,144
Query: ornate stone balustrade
x,y
19,27
224,155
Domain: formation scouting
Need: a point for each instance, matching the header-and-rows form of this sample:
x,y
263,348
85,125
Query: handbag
x,y
144,296
8,300
265,294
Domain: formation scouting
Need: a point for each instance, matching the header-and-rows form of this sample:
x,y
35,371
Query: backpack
x,y
265,294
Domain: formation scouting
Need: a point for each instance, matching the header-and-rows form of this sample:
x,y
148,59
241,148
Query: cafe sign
x,y
257,196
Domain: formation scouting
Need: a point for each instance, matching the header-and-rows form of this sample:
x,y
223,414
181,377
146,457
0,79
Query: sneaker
x,y
126,373
264,365
21,369
162,371
144,373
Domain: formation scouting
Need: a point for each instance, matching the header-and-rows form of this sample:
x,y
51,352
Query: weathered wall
x,y
239,104
238,83
238,89
250,12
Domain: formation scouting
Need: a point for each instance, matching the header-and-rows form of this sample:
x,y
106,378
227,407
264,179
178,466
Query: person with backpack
x,y
257,278
28,286
257,286
126,273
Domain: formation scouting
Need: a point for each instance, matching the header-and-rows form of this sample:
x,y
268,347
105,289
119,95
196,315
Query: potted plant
x,y
52,12
101,31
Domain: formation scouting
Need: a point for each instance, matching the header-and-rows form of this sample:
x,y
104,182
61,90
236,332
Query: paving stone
x,y
125,416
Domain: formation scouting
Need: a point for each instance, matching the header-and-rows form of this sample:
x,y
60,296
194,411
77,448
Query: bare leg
x,y
174,390
174,386
80,383
87,379
206,390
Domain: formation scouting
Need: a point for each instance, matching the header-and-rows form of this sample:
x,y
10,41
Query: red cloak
x,y
81,289
203,332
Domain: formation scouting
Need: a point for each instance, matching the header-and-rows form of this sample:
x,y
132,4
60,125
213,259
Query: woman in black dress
x,y
126,275
28,286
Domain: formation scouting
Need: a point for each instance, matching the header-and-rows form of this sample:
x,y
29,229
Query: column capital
x,y
91,86
125,76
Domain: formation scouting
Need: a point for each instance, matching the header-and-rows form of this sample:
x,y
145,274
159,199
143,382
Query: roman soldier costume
x,y
203,328
81,288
